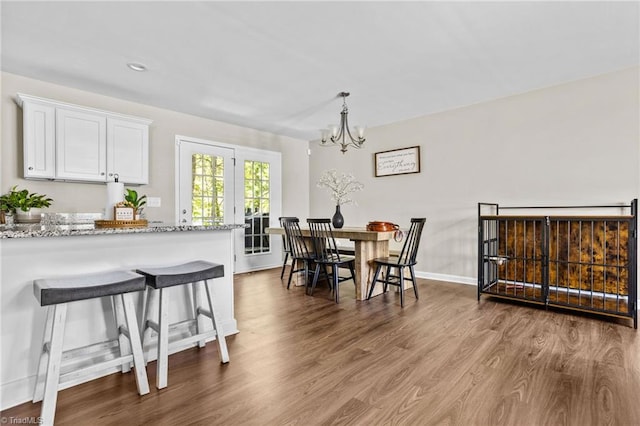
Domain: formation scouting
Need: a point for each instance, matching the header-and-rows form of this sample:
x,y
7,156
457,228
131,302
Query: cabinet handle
x,y
102,174
30,168
184,211
110,174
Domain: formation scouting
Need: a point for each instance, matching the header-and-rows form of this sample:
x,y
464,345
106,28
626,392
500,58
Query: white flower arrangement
x,y
340,186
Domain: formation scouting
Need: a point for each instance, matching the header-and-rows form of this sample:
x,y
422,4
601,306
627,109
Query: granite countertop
x,y
40,230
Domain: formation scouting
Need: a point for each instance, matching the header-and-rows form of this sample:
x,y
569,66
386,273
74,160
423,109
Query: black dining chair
x,y
406,259
286,245
299,252
326,254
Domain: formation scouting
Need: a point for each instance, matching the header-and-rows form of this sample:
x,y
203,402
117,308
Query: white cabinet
x,y
75,143
39,140
127,151
81,145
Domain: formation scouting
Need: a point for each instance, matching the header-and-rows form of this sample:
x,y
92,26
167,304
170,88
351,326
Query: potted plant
x,y
24,205
135,201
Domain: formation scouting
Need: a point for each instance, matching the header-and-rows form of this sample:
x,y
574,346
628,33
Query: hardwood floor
x,y
444,359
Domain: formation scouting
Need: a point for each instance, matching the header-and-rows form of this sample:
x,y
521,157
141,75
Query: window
x,y
207,189
257,206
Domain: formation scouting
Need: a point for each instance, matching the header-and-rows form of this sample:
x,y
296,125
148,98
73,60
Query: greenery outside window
x,y
208,190
257,206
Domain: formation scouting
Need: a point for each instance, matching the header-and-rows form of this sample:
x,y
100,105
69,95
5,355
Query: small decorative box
x,y
124,213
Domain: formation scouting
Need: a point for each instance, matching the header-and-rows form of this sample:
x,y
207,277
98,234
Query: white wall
x,y
577,143
83,197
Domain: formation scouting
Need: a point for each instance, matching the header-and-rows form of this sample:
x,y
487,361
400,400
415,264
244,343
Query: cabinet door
x,y
127,151
39,140
81,145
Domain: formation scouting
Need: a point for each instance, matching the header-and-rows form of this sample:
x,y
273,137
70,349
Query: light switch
x,y
153,201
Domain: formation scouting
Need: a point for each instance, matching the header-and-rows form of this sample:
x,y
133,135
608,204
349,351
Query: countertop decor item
x,y
24,205
121,223
115,195
340,186
136,201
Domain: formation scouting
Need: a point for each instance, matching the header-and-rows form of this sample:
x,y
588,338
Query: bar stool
x,y
56,293
187,273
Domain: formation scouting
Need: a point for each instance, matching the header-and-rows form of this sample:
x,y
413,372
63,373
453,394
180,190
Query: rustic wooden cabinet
x,y
75,143
584,262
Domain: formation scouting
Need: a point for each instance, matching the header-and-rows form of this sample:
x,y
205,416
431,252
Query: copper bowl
x,y
382,226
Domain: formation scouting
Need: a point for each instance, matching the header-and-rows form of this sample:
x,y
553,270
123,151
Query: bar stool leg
x,y
48,409
163,341
146,294
136,346
196,313
38,393
123,340
222,343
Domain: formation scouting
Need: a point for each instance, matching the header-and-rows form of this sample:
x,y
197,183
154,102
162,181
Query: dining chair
x,y
406,259
326,254
298,247
286,245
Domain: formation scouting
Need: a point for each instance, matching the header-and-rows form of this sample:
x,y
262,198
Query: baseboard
x,y
20,391
446,277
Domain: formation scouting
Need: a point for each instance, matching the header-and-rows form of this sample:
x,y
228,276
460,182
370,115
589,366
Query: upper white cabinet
x,y
81,145
127,151
39,140
75,143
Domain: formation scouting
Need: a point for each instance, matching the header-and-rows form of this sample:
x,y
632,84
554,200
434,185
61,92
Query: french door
x,y
206,187
258,204
219,183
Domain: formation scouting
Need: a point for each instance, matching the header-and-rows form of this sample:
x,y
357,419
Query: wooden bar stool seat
x,y
56,293
188,273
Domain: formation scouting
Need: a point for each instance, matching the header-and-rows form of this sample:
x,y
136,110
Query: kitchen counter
x,y
74,229
29,252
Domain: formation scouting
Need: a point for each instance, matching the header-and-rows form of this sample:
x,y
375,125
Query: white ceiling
x,y
278,66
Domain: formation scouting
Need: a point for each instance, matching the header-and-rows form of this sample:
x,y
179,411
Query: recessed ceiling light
x,y
136,66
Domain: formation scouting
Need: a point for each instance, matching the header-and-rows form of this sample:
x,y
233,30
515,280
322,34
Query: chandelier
x,y
335,135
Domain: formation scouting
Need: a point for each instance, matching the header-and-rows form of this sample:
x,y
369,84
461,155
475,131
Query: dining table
x,y
368,245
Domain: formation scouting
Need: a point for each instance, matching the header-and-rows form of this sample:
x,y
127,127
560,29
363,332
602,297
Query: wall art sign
x,y
398,161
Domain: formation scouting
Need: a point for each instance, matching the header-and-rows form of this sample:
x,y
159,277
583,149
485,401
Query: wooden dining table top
x,y
351,233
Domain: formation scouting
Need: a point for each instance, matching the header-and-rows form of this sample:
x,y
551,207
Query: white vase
x,y
31,216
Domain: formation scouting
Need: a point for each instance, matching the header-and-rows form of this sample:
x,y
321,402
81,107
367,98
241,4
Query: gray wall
x,y
577,143
84,197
